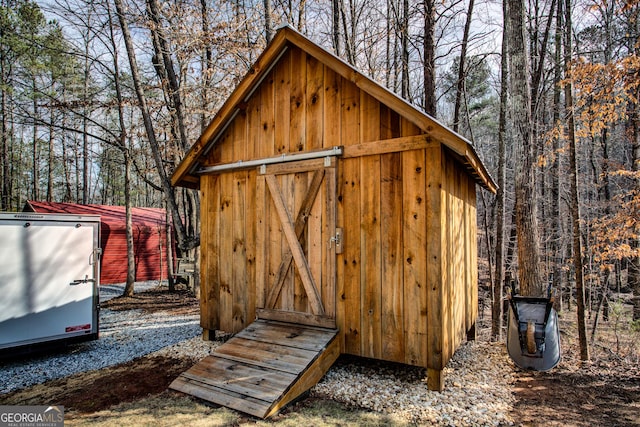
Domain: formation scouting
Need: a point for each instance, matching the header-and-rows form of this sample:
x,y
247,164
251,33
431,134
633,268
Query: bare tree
x,y
430,57
122,144
268,25
185,241
498,279
529,274
462,69
575,202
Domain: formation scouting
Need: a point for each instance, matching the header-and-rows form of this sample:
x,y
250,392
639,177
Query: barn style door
x,y
296,242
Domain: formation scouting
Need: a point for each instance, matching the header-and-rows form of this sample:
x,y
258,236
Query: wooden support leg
x,y
435,379
208,335
471,333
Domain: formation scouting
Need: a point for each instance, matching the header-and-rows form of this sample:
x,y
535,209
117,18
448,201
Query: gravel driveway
x,y
124,335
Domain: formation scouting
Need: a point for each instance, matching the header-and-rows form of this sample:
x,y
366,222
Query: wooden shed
x,y
149,238
329,204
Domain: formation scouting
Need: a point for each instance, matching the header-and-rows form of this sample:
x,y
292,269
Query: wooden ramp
x,y
262,368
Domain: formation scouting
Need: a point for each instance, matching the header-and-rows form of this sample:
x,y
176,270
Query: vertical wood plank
x,y
331,109
300,189
293,295
449,311
205,244
391,247
267,116
350,297
331,137
415,240
238,246
255,134
287,295
314,98
297,122
472,264
314,111
282,108
239,136
392,324
371,261
329,253
435,271
226,252
262,240
461,286
250,245
209,295
315,237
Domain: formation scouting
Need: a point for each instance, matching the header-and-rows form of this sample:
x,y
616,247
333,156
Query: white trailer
x,y
49,273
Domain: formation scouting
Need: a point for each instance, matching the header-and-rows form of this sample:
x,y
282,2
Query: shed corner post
x,y
208,335
436,226
435,379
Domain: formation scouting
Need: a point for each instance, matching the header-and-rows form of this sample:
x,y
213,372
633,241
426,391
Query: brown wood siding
x,y
460,286
407,279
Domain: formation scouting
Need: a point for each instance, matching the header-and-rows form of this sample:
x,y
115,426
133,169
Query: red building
x,y
149,238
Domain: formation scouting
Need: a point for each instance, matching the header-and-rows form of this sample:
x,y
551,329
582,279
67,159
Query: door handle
x,y
81,281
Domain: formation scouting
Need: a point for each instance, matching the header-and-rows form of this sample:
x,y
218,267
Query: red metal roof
x,y
114,216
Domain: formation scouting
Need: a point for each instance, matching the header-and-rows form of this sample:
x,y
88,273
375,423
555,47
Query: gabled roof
x,y
185,175
113,216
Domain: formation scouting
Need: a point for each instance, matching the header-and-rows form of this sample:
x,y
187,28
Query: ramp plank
x,y
262,368
287,359
289,335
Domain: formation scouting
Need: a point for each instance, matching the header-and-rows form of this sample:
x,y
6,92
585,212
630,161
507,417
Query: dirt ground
x,y
604,392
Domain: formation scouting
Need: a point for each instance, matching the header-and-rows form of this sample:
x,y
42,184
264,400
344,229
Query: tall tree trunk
x,y
302,16
86,113
122,144
556,239
170,255
207,65
462,72
575,202
633,272
404,34
166,72
172,89
430,57
5,164
268,26
498,279
50,161
65,160
529,273
36,146
335,26
185,241
349,30
131,265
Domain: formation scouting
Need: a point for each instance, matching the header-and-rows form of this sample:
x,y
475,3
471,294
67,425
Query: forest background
x,y
101,99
